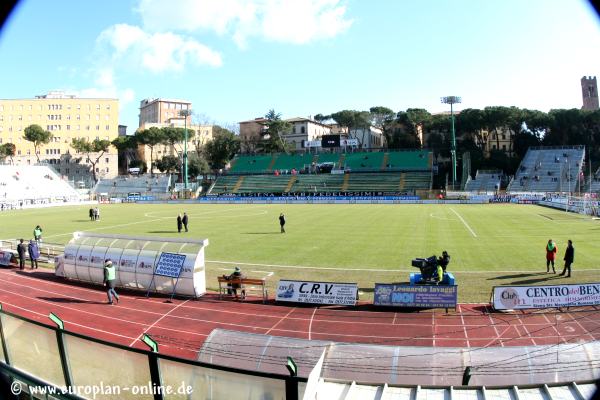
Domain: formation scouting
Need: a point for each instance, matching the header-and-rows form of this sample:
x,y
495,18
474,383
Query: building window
x,y
106,161
97,127
302,130
107,127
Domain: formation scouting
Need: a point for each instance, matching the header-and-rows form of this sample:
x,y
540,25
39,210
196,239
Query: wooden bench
x,y
245,285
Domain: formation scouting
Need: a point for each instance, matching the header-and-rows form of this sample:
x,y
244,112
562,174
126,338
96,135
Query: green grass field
x,y
489,244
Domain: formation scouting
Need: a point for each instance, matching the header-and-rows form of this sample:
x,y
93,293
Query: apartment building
x,y
174,113
302,129
65,117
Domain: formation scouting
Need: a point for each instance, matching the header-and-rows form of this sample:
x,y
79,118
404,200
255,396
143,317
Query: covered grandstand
x,y
33,185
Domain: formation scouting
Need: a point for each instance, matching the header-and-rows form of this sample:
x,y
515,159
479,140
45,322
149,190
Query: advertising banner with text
x,y
520,297
317,292
417,296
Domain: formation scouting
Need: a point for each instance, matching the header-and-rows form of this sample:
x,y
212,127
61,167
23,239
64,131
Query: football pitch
x,y
495,244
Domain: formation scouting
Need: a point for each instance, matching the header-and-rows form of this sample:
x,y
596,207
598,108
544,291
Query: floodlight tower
x,y
185,113
452,100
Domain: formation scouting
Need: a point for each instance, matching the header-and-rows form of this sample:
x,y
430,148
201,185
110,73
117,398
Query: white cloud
x,y
289,21
156,52
105,87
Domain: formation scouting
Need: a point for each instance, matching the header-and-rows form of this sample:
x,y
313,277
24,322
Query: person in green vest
x,y
37,234
110,275
440,274
551,251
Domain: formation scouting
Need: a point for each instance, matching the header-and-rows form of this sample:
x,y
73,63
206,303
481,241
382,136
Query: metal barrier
x,y
49,362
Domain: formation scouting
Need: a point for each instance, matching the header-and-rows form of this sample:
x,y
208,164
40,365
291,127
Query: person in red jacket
x,y
550,255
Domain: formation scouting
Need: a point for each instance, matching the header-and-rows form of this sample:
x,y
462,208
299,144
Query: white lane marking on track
x,y
310,324
157,321
464,222
280,321
68,321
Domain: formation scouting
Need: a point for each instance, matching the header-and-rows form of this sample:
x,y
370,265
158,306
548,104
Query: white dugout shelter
x,y
159,265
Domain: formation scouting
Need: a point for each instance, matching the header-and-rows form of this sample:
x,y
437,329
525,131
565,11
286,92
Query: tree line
x,y
202,157
476,129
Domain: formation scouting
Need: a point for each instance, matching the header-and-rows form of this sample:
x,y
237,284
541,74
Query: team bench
x,y
246,284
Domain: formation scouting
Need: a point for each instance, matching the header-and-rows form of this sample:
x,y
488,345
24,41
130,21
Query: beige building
x,y
164,111
302,129
251,132
65,117
161,113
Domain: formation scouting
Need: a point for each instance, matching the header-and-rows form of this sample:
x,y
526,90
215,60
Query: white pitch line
x,y
464,222
391,271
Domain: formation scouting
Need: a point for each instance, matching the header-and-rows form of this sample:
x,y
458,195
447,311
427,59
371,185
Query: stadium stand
x,y
546,169
248,164
401,171
122,186
594,185
33,184
485,181
355,162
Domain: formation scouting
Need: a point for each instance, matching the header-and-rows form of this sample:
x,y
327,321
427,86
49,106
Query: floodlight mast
x,y
185,113
452,100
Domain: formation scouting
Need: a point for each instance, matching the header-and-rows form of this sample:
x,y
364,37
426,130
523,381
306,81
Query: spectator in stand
x,y
21,250
550,255
569,258
37,233
34,253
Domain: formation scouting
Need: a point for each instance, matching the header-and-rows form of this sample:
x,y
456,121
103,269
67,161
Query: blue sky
x,y
236,59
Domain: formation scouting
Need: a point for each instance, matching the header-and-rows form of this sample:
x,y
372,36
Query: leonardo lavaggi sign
x,y
317,292
518,297
420,296
170,264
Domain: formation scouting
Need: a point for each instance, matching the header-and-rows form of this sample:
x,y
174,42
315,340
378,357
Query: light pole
x,y
185,113
452,100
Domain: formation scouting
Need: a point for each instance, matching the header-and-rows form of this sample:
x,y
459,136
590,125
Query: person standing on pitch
x,y
185,221
37,234
569,258
110,275
179,223
550,255
34,253
282,222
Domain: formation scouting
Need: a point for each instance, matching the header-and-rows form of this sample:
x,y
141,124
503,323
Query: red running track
x,y
181,327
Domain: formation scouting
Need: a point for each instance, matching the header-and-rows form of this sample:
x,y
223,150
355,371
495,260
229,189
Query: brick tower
x,y
589,91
